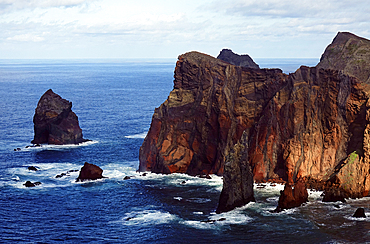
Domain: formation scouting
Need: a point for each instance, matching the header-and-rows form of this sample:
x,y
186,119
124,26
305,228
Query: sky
x,y
67,29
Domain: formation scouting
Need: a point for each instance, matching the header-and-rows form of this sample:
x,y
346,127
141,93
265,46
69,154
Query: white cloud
x,y
8,5
26,38
175,27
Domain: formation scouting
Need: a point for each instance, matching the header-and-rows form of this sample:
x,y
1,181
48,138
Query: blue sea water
x,y
115,100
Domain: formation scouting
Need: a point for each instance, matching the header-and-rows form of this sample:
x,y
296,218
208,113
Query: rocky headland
x,y
55,122
212,103
251,124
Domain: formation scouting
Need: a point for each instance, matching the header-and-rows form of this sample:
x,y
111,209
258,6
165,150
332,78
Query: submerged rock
x,y
54,121
90,172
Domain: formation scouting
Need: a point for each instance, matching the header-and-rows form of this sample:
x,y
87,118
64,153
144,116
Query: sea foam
x,y
137,136
147,217
58,147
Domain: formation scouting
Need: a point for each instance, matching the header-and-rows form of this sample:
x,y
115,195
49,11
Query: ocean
x,y
114,101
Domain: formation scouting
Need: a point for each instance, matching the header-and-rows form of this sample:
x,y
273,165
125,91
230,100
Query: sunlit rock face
x,y
312,124
348,53
212,103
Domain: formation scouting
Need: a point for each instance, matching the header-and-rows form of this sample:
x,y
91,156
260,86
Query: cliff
x,y
317,126
55,122
259,124
210,106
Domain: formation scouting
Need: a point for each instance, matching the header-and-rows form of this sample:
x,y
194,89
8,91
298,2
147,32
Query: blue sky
x,y
166,29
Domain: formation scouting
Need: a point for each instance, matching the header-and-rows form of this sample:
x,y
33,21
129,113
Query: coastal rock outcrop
x,y
90,172
292,197
238,178
212,103
244,60
54,121
313,124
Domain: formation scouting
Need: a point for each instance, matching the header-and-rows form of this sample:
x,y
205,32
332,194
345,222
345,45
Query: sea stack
x,y
54,121
244,60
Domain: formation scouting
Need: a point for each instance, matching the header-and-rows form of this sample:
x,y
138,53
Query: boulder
x,y
360,213
54,121
90,172
245,60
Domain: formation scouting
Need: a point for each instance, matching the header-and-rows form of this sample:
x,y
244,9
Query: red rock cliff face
x,y
313,124
309,127
212,103
317,126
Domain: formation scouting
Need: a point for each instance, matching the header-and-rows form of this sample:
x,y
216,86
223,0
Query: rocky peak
x,y
244,60
348,53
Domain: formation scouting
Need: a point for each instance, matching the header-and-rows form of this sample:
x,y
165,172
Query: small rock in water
x,y
90,172
127,178
17,149
206,176
32,168
143,174
30,184
61,175
360,213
